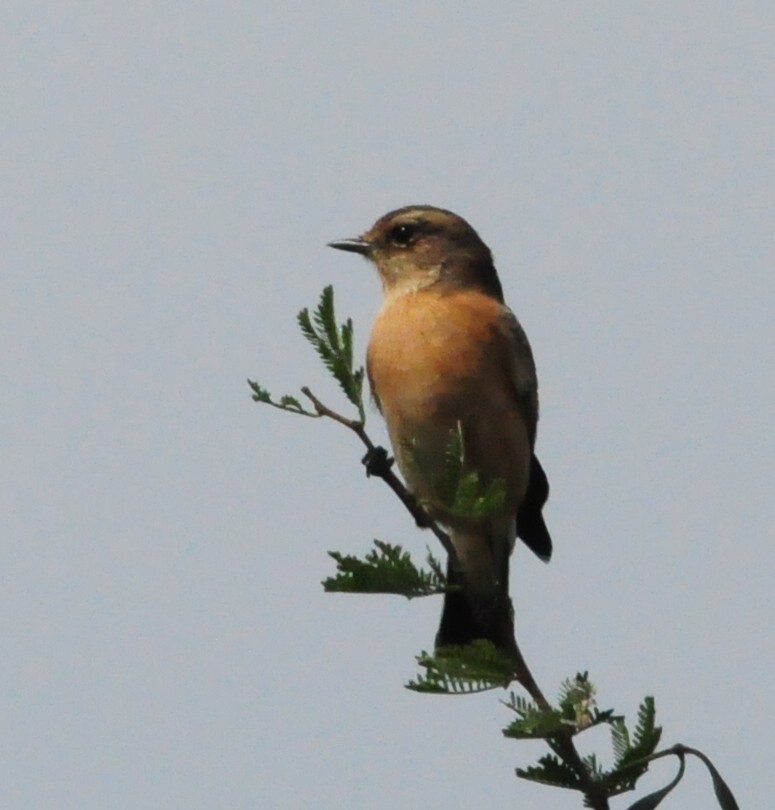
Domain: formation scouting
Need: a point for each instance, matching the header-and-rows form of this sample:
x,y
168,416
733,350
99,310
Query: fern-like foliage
x,y
535,724
647,733
463,670
631,751
576,712
577,700
285,403
579,706
594,768
334,345
620,740
551,771
460,488
386,569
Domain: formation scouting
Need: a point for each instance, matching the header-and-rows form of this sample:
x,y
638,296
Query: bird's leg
x,y
380,465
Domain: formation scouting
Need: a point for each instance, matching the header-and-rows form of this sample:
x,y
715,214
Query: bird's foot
x,y
377,462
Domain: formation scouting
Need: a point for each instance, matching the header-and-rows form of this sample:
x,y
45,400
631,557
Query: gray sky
x,y
171,173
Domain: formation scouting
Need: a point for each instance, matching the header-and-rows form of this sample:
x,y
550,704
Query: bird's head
x,y
419,245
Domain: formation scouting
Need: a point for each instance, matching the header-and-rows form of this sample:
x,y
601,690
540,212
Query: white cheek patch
x,y
396,282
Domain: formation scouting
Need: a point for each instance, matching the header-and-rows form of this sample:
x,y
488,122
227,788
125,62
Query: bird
x,y
447,357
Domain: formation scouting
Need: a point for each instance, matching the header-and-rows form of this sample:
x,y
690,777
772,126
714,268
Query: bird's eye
x,y
402,235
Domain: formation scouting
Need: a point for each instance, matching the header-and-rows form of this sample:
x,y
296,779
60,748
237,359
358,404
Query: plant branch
x,y
595,792
525,677
380,466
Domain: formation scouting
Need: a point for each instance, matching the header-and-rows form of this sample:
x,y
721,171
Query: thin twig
x,y
323,410
385,472
525,677
289,408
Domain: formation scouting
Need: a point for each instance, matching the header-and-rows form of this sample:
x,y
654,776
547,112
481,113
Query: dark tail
x,y
531,528
465,618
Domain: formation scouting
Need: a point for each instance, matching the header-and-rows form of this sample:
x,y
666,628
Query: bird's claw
x,y
377,462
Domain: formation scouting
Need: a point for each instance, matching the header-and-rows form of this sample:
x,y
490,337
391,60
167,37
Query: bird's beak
x,y
357,245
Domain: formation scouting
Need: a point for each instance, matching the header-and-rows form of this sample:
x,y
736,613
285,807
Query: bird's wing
x,y
520,370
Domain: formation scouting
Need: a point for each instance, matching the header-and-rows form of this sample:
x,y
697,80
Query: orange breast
x,y
435,360
427,350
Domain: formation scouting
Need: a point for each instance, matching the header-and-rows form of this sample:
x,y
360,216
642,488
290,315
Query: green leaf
x,y
620,738
462,670
285,403
538,724
532,722
521,705
438,570
291,403
646,735
334,346
386,569
606,716
491,501
577,701
325,317
259,394
593,766
551,771
632,752
460,488
449,483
